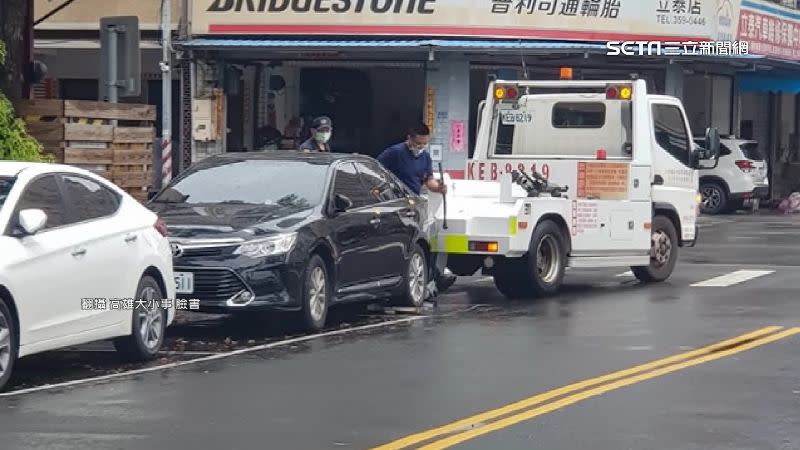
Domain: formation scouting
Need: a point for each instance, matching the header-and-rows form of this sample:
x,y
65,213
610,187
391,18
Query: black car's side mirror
x,y
341,203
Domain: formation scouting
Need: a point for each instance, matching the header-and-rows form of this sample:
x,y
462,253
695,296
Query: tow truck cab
x,y
624,158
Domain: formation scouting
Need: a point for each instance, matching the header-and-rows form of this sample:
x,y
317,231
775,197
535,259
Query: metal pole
x,y
166,97
112,65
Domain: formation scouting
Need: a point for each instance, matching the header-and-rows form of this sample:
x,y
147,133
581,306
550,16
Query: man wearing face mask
x,y
411,163
321,130
413,166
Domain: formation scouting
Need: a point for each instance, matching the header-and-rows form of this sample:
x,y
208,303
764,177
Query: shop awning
x,y
212,43
514,45
755,82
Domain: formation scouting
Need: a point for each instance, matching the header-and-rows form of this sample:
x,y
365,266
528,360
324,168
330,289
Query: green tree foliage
x,y
15,142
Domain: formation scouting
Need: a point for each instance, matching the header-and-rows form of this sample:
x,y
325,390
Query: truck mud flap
x,y
693,242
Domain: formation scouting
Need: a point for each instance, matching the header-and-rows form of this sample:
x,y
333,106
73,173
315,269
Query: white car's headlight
x,y
271,246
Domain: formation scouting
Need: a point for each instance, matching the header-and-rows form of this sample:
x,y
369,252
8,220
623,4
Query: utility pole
x,y
27,40
166,95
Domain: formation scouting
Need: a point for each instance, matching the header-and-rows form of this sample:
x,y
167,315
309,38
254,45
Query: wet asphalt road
x,y
365,388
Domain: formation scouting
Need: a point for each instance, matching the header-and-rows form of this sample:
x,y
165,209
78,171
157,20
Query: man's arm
x,y
432,183
386,159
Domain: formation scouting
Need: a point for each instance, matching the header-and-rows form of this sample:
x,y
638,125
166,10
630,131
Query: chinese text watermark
x,y
119,304
676,48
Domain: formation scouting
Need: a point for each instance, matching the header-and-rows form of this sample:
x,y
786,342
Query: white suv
x,y
740,177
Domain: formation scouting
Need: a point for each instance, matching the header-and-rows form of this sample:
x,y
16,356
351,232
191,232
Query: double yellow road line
x,y
452,434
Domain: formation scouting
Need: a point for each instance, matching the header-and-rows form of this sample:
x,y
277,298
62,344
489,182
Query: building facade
x,y
256,72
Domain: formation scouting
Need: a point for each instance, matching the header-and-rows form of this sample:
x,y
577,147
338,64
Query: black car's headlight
x,y
279,244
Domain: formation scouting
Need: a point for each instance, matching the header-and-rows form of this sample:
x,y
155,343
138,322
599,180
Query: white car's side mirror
x,y
32,220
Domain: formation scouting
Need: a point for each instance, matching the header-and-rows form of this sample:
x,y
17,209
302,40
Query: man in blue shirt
x,y
413,166
411,163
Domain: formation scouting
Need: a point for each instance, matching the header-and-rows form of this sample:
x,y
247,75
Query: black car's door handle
x,y
375,221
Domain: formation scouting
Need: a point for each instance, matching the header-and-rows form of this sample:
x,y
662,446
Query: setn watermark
x,y
119,304
676,48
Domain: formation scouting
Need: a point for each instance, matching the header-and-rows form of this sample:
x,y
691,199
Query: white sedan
x,y
80,261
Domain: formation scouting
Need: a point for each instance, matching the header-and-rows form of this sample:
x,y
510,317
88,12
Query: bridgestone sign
x,y
324,6
582,20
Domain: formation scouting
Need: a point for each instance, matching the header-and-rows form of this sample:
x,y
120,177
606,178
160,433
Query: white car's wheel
x,y
714,198
149,323
8,343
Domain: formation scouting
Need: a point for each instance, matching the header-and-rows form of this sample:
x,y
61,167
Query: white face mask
x,y
323,137
416,151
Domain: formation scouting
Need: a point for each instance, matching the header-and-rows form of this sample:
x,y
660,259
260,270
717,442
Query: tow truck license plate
x,y
515,117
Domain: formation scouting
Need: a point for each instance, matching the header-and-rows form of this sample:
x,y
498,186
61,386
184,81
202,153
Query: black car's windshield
x,y
292,184
6,183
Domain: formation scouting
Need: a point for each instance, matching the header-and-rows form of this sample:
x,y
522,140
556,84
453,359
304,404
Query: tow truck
x,y
583,174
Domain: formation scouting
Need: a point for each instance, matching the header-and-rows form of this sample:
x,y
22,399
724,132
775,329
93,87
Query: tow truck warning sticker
x,y
480,170
584,217
515,117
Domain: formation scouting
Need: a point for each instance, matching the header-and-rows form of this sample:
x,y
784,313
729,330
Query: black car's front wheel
x,y
316,294
415,281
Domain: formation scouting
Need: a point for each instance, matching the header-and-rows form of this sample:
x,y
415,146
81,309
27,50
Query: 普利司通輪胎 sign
x,y
585,20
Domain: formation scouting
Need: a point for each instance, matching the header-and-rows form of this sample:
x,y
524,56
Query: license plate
x,y
184,282
515,117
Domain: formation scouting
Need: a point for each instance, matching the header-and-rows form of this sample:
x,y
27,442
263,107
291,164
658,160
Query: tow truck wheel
x,y
547,258
541,272
511,278
663,252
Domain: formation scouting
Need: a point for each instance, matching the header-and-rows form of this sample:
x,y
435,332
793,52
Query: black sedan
x,y
295,232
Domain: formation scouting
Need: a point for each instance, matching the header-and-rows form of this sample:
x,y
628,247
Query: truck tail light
x,y
744,164
619,93
161,227
506,93
479,246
